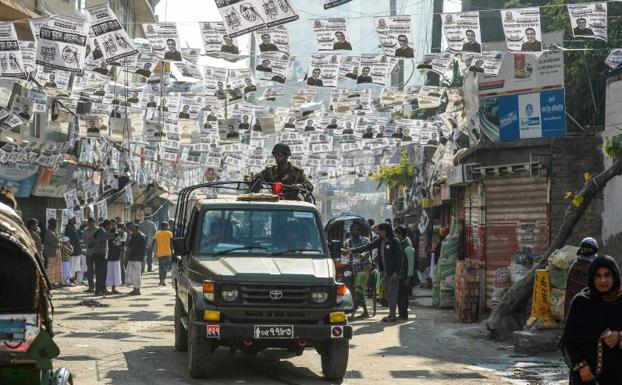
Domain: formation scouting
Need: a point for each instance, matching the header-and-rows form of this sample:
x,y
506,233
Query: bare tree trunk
x,y
511,313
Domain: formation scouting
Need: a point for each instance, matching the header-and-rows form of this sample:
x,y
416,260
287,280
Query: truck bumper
x,y
230,331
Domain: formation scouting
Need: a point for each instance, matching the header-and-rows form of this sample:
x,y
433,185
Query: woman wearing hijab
x,y
390,262
591,340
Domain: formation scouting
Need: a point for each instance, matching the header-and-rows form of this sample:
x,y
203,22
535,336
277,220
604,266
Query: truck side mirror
x,y
335,249
180,246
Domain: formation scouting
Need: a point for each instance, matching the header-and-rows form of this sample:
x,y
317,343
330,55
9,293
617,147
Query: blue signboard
x,y
533,115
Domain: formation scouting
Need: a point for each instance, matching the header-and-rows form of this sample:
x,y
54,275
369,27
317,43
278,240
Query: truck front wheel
x,y
200,351
335,359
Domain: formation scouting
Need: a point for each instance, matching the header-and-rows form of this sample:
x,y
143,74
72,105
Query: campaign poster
x,y
146,63
272,67
214,80
217,41
11,63
375,69
589,20
273,39
191,54
245,16
334,3
487,63
349,67
112,40
28,49
395,35
331,34
190,107
614,59
61,42
436,62
164,40
522,30
462,31
323,71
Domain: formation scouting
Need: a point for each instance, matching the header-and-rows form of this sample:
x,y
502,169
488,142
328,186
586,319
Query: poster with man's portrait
x,y
395,36
331,34
589,20
164,40
323,70
217,41
521,27
462,31
273,39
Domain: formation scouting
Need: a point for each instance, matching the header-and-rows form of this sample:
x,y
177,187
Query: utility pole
x,y
397,77
433,79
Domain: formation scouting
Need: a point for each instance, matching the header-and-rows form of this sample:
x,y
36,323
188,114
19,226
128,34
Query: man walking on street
x,y
148,228
87,237
135,253
163,250
96,240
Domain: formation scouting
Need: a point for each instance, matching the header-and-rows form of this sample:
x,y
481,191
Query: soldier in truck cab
x,y
283,172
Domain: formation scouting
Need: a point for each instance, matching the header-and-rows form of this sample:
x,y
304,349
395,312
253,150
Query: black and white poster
x,y
522,30
146,63
164,40
436,62
462,31
272,67
245,16
112,39
217,41
11,63
331,34
375,68
614,59
589,20
323,71
61,42
28,50
395,35
487,63
349,67
22,107
214,80
273,39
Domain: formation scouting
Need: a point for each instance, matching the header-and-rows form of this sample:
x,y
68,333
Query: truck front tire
x,y
181,336
200,351
335,359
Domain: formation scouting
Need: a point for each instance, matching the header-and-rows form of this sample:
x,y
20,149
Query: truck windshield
x,y
242,232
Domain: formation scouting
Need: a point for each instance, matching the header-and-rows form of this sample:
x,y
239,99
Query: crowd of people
x,y
103,255
391,256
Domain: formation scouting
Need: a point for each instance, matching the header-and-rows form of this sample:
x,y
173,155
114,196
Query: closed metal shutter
x,y
517,215
475,222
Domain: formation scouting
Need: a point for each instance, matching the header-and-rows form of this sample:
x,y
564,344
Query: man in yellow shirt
x,y
162,241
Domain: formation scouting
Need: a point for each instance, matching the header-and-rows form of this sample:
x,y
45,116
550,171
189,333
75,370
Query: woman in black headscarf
x,y
591,341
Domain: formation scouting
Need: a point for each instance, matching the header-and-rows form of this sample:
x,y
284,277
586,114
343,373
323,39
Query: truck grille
x,y
275,295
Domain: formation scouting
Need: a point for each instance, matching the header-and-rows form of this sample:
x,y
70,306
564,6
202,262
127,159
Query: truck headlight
x,y
229,293
319,294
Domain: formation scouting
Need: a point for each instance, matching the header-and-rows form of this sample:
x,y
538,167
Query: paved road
x,y
130,342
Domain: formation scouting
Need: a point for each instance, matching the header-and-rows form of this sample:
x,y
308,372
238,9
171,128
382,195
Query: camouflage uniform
x,y
292,175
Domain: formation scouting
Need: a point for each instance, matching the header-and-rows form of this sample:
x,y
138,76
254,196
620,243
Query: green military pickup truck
x,y
254,272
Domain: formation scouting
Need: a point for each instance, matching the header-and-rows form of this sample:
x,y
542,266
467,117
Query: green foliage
x,y
401,175
584,67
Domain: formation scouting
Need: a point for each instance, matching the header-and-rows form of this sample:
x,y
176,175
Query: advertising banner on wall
x,y
522,116
18,178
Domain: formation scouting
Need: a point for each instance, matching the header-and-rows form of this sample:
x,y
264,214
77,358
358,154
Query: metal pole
x,y
397,77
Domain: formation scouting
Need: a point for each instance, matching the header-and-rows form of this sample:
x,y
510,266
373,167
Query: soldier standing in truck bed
x,y
283,172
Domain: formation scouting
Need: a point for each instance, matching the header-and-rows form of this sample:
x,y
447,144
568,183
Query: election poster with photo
x,y
589,20
61,42
214,79
462,31
217,41
331,34
375,68
522,30
323,71
112,39
164,40
28,50
614,59
395,35
436,62
349,67
273,39
10,54
272,67
242,17
487,63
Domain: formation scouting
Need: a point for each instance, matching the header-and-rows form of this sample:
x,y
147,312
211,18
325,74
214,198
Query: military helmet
x,y
282,148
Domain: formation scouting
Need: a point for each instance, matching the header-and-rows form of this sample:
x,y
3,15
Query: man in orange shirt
x,y
162,241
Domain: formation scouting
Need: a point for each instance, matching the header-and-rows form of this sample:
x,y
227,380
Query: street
x,y
129,341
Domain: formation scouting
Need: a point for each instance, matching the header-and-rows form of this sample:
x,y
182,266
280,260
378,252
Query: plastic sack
x,y
558,277
564,257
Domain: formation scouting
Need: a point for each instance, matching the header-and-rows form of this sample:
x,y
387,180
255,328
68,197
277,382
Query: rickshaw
x,y
337,229
26,345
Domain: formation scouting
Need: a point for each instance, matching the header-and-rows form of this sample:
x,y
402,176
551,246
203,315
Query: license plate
x,y
273,331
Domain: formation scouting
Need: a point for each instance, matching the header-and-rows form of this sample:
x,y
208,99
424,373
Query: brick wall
x,y
467,290
571,158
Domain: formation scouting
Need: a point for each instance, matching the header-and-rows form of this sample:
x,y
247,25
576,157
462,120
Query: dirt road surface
x,y
129,341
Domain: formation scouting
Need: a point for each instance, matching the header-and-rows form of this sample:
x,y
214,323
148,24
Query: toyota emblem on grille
x,y
276,294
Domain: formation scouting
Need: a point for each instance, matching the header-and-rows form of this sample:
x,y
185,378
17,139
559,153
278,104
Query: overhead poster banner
x,y
164,40
332,34
395,35
61,42
216,41
522,30
323,71
112,39
589,20
614,59
488,63
462,31
10,55
245,16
